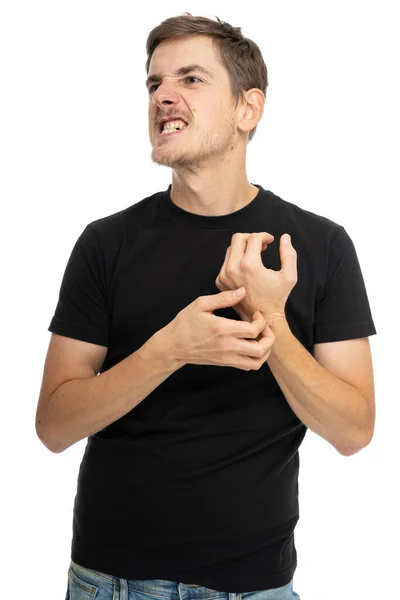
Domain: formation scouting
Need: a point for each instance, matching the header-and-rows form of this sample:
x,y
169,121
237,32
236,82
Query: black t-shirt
x,y
199,482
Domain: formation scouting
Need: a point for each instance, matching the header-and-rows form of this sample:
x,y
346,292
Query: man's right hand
x,y
197,336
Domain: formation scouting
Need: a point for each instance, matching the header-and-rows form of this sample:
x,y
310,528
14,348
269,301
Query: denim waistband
x,y
170,590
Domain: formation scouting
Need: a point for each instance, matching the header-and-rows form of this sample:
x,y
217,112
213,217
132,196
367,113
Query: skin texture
x,y
266,290
208,159
331,392
207,107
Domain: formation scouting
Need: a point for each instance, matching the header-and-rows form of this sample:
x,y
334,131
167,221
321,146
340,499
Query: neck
x,y
211,194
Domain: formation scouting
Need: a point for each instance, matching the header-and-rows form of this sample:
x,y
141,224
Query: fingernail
x,y
238,292
286,239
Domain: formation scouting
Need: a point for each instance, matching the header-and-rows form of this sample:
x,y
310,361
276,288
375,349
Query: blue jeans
x,y
86,584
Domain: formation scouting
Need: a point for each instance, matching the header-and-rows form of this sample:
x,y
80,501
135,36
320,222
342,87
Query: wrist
x,y
164,341
275,320
161,348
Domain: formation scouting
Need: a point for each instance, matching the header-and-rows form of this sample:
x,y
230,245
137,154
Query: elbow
x,y
54,449
348,451
352,449
48,441
49,445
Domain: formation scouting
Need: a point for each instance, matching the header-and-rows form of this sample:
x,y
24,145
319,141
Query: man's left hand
x,y
266,290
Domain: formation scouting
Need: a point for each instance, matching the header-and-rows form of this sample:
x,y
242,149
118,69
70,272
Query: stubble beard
x,y
211,145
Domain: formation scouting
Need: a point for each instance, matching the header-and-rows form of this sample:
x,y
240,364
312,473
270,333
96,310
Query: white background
x,y
74,147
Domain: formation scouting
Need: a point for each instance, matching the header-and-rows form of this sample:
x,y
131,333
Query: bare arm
x,y
82,407
337,403
73,407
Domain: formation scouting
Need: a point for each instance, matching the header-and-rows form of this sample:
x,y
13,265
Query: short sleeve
x,y
343,311
81,311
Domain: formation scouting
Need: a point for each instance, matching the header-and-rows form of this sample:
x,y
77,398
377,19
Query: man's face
x,y
203,100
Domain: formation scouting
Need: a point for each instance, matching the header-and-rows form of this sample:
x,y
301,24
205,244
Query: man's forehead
x,y
188,45
172,55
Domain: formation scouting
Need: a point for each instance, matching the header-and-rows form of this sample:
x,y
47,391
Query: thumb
x,y
227,298
267,331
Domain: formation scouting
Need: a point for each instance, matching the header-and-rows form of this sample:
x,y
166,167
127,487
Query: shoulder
x,y
311,232
111,230
305,220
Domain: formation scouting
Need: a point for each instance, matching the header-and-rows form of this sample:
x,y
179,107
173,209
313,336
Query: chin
x,y
162,160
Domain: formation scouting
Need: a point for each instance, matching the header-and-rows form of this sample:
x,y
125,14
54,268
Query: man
x,y
190,472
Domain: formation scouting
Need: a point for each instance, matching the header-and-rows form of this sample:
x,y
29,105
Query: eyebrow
x,y
182,71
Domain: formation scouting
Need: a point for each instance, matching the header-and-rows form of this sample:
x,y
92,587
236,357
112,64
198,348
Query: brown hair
x,y
241,56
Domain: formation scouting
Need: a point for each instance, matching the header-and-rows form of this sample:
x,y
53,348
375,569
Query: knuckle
x,y
247,265
260,363
290,277
222,345
254,331
200,303
217,330
260,351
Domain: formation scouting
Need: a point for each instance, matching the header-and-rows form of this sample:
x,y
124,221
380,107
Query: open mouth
x,y
169,127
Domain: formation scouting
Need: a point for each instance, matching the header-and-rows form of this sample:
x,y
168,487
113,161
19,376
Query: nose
x,y
165,94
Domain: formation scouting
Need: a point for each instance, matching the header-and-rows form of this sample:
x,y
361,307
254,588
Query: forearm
x,y
327,405
82,407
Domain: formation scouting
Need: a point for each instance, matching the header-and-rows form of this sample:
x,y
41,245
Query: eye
x,y
151,88
192,77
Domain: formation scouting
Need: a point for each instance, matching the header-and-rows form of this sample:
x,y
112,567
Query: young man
x,y
190,473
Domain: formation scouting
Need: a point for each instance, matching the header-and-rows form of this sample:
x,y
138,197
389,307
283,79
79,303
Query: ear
x,y
252,109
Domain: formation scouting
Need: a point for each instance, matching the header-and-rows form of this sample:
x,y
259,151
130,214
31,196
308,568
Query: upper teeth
x,y
172,125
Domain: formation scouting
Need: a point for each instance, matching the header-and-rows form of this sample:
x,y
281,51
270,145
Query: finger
x,y
238,248
259,321
224,299
240,329
251,348
222,276
256,348
267,238
257,243
267,337
288,259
